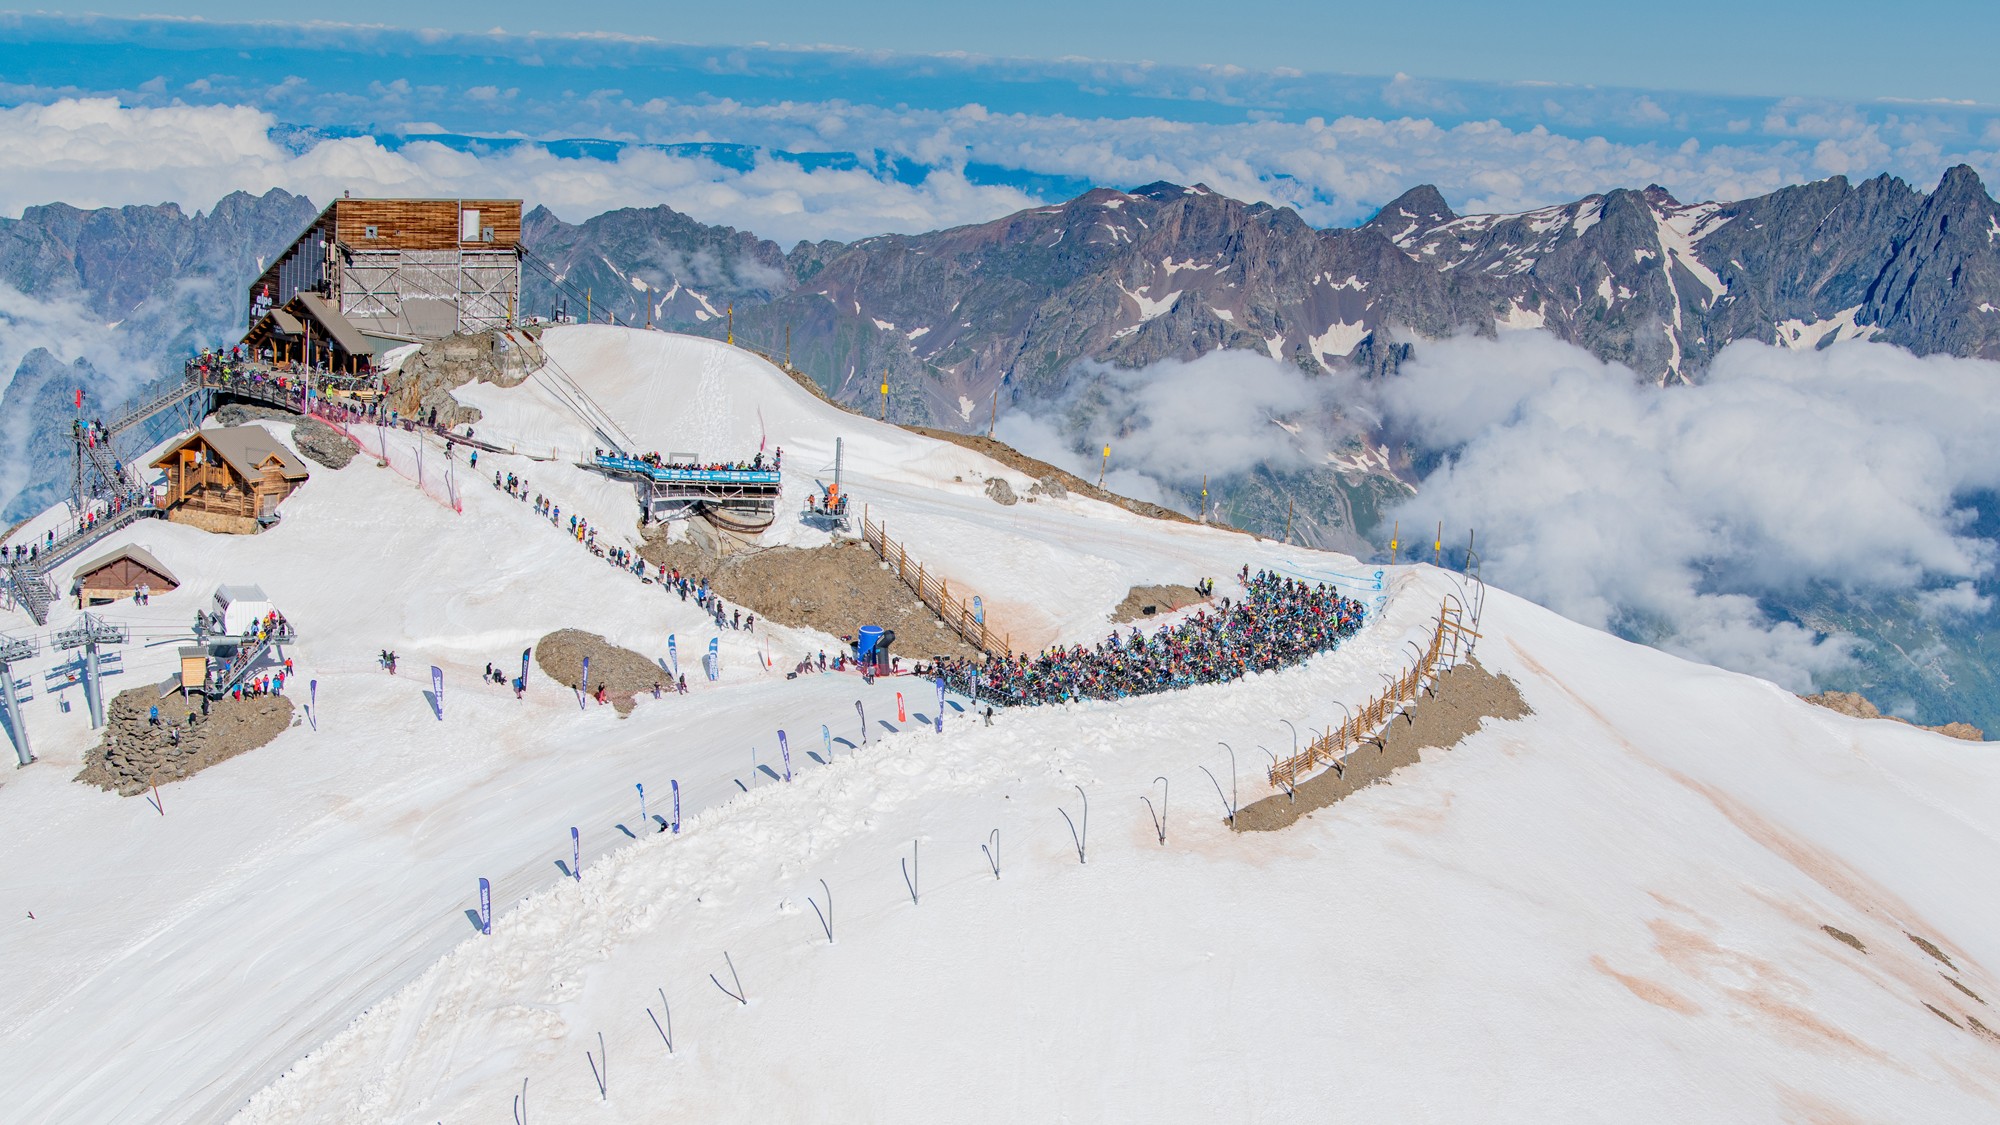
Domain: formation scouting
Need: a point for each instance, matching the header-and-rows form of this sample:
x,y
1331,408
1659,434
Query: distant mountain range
x,y
1128,278
1003,312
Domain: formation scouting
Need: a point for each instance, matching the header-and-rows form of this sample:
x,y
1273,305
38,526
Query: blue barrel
x,y
866,640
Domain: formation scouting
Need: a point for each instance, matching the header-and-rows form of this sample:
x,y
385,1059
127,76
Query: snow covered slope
x,y
1609,910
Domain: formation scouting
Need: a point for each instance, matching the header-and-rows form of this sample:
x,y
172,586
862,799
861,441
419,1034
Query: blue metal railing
x,y
669,474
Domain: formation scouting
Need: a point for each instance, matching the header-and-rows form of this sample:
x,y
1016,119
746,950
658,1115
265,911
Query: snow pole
x,y
601,1073
901,715
485,906
785,748
641,787
667,1032
940,705
864,721
825,916
575,855
737,993
677,806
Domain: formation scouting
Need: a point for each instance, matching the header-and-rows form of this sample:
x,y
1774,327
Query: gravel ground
x,y
320,442
135,755
835,589
1466,697
624,674
1162,599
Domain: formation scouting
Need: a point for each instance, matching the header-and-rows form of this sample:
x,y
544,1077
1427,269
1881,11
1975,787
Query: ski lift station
x,y
241,608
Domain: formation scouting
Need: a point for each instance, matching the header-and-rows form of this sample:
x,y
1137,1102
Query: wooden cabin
x,y
119,575
229,480
309,330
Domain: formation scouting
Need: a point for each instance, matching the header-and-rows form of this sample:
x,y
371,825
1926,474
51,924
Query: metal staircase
x,y
250,656
31,591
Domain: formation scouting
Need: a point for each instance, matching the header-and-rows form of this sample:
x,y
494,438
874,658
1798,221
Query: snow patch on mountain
x,y
1801,335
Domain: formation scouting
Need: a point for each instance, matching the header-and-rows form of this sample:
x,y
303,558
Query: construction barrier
x,y
1331,748
935,592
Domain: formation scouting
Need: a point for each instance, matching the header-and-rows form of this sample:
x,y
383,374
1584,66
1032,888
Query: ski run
x,y
1621,907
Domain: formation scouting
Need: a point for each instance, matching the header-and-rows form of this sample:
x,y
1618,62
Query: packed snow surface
x,y
1609,910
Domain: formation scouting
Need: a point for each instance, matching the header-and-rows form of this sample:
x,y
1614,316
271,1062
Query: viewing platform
x,y
747,498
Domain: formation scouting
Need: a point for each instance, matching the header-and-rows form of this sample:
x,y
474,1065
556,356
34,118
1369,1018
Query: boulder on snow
x,y
322,443
999,491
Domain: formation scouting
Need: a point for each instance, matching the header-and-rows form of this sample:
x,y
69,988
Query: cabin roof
x,y
245,448
338,327
130,551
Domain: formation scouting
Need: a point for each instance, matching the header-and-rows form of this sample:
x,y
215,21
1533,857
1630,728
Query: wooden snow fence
x,y
935,592
1450,642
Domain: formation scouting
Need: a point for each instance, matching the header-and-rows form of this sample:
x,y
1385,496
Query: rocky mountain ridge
x,y
1027,310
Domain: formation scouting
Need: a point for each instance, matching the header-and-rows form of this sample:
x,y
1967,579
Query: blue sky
x,y
1332,111
1829,48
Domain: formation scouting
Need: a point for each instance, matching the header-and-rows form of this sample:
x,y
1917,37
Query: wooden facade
x,y
403,269
229,480
119,575
426,224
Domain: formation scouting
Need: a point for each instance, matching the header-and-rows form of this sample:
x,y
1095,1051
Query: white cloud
x,y
69,332
95,152
1668,513
1673,515
1173,423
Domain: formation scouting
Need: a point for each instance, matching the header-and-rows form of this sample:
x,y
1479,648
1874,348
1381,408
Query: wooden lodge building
x,y
228,480
369,275
120,574
309,330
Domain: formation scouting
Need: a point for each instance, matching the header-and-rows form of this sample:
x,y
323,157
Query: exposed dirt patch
x,y
1855,704
835,589
624,674
1929,947
1466,697
1844,938
136,755
1147,601
1955,984
1945,1018
1982,1029
238,414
